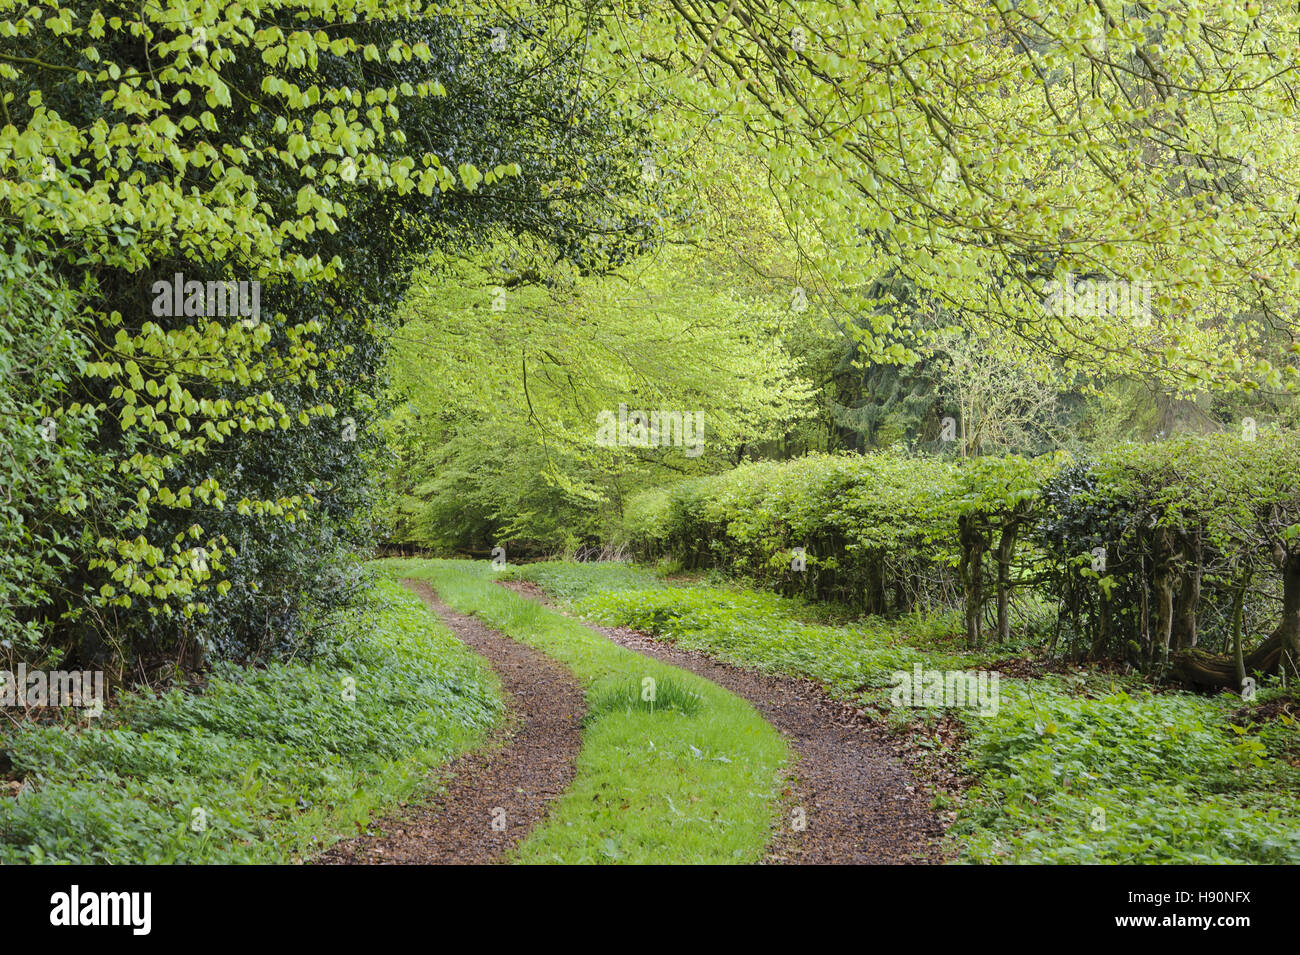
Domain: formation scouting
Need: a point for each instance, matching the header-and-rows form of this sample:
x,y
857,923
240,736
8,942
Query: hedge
x,y
1147,550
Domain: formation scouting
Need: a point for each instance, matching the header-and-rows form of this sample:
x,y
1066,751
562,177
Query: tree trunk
x,y
1103,629
1163,584
971,571
876,585
1280,650
1288,629
1238,608
1145,610
1006,547
1189,593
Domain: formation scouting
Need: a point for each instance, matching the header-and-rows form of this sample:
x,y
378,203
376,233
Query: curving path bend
x,y
490,798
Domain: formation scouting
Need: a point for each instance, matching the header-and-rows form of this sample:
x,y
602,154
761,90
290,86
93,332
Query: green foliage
x,y
49,473
497,437
1185,521
320,151
975,155
1122,778
1133,545
878,531
276,760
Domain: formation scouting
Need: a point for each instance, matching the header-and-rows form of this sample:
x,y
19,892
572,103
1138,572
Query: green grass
x,y
634,694
264,765
693,779
1092,768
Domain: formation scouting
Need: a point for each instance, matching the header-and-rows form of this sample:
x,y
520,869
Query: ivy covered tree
x,y
317,151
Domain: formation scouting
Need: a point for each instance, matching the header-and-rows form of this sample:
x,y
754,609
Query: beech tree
x,y
995,153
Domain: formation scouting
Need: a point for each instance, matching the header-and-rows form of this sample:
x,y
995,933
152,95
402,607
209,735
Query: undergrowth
x,y
261,765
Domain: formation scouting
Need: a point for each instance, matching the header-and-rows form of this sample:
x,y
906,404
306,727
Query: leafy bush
x,y
1145,547
1181,528
866,523
49,474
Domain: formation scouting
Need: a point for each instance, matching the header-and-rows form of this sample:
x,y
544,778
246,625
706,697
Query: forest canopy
x,y
516,265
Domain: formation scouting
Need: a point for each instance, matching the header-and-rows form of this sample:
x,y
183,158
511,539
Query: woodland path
x,y
849,798
490,798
